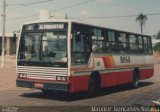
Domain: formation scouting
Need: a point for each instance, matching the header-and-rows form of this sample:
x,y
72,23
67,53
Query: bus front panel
x,y
42,60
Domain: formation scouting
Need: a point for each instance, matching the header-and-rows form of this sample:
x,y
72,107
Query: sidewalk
x,y
8,74
9,61
157,58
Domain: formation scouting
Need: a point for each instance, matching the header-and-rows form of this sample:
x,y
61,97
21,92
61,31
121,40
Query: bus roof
x,y
69,20
48,20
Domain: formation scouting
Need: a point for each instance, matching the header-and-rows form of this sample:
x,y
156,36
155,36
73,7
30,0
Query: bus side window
x,y
110,45
140,44
127,48
98,44
150,45
146,45
81,45
133,44
120,43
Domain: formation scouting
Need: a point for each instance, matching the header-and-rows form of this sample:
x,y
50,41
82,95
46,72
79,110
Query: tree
x,y
157,36
156,47
141,18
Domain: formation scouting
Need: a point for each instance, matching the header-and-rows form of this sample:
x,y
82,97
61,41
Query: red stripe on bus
x,y
80,83
115,78
146,73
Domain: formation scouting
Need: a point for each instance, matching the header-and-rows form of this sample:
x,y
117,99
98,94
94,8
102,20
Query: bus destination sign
x,y
46,26
51,26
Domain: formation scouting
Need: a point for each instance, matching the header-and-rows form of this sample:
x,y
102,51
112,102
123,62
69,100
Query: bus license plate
x,y
38,85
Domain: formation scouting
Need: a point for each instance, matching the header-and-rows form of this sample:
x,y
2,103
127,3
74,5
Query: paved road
x,y
120,96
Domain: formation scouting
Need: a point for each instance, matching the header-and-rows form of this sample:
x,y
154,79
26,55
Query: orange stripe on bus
x,y
108,61
112,61
105,61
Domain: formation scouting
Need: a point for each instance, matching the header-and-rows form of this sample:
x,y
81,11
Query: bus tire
x,y
93,86
135,81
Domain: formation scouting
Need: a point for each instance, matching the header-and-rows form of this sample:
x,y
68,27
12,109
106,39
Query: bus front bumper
x,y
56,86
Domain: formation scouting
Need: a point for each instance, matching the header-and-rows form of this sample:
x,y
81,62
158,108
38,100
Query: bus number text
x,y
125,59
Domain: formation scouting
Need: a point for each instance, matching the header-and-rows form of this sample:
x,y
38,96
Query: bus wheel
x,y
93,87
135,82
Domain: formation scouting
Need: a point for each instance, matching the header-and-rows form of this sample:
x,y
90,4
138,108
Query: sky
x,y
16,14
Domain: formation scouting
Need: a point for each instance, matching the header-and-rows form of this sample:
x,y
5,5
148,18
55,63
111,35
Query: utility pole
x,y
159,49
3,33
66,17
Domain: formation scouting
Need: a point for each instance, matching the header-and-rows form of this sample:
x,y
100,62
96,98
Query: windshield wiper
x,y
45,54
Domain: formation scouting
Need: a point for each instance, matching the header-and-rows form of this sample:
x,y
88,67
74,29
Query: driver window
x,y
81,41
78,41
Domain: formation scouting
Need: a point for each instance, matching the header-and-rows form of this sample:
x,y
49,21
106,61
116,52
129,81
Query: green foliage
x,y
156,47
158,35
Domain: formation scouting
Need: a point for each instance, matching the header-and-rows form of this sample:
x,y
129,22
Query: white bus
x,y
63,55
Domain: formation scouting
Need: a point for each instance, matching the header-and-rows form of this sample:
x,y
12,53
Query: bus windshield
x,y
46,46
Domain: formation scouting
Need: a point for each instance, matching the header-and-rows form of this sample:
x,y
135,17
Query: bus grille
x,y
46,73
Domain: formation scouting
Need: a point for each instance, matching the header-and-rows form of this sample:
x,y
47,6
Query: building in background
x,y
10,43
11,39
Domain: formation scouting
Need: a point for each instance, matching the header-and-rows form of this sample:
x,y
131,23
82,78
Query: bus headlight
x,y
58,78
61,78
